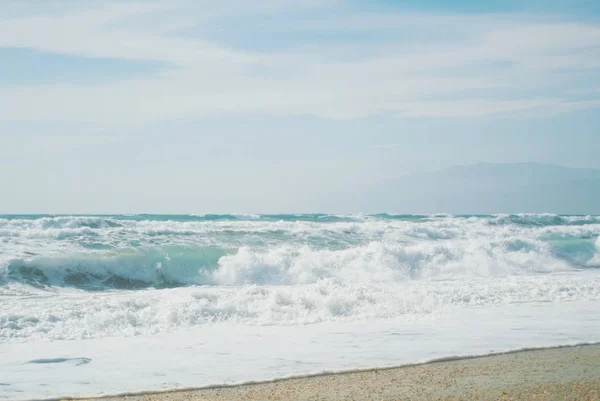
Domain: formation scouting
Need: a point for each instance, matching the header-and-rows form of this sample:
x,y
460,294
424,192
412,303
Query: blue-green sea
x,y
139,251
120,303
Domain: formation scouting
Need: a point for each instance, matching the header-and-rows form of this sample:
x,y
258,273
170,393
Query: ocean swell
x,y
67,277
287,264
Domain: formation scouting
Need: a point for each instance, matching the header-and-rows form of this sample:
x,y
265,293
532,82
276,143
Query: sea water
x,y
93,305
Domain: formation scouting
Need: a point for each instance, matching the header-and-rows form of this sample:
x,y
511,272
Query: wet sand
x,y
567,373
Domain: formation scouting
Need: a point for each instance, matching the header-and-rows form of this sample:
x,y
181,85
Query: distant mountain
x,y
489,188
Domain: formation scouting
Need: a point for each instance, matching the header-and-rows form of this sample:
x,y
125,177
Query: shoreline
x,y
565,371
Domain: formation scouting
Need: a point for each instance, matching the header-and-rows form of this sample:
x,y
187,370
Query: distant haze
x,y
489,188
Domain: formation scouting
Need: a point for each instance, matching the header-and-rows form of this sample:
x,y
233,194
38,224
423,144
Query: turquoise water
x,y
99,252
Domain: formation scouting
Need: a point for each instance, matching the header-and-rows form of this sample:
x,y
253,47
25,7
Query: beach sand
x,y
567,373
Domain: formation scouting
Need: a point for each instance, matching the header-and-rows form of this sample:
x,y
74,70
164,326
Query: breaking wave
x,y
134,252
91,276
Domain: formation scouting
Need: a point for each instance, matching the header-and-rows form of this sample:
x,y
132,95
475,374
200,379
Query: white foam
x,y
267,286
234,353
75,314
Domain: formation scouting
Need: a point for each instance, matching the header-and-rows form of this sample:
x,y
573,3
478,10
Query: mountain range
x,y
488,188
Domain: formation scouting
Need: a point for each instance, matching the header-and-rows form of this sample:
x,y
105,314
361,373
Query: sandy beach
x,y
566,373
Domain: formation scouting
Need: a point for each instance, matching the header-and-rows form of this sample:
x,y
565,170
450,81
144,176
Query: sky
x,y
282,106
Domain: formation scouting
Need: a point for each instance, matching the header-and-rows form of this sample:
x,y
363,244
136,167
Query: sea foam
x,y
67,277
213,299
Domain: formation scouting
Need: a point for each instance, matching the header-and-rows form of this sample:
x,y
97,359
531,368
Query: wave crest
x,y
374,262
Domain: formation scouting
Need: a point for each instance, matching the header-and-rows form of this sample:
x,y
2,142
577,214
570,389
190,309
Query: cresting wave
x,y
373,262
133,252
67,277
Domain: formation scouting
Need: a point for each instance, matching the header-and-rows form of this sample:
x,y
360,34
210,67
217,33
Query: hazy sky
x,y
241,106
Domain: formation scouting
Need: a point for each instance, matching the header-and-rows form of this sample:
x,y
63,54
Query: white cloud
x,y
495,66
103,32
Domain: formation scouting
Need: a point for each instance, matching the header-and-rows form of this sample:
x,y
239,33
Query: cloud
x,y
456,66
388,145
104,32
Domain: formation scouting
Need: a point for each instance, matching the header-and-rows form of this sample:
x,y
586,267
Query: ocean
x,y
109,304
